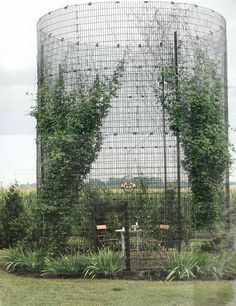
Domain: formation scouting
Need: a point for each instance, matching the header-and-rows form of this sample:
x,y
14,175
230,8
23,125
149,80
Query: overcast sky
x,y
18,75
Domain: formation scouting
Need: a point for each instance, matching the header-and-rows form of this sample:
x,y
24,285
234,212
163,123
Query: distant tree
x,y
13,219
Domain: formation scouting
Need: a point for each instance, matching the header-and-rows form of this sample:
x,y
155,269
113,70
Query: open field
x,y
27,291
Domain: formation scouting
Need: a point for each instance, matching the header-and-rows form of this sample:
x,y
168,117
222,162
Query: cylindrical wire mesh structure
x,y
92,38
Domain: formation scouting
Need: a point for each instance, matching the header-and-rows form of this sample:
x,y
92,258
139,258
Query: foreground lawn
x,y
27,291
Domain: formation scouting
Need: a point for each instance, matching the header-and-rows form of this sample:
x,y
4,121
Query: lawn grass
x,y
27,291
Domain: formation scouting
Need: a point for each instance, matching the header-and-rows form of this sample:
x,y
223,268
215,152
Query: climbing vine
x,y
196,113
69,128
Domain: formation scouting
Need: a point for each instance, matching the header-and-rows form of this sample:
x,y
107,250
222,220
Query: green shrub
x,y
104,264
19,260
201,245
72,266
78,245
14,221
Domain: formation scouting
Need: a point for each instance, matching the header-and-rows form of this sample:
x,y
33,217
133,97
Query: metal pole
x,y
127,238
226,117
177,143
39,161
227,184
94,222
164,143
39,146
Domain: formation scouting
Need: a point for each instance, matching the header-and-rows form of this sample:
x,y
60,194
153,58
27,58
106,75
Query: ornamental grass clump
x,y
22,261
179,266
104,264
66,266
187,264
217,266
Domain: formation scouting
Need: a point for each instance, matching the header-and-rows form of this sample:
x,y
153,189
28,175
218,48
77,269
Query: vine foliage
x,y
196,113
69,128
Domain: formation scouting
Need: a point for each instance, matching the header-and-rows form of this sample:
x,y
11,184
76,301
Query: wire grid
x,y
138,145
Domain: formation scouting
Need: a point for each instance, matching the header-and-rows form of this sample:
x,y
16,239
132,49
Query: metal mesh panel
x,y
137,143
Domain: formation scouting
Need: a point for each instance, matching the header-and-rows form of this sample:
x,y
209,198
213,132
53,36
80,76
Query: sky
x,y
18,81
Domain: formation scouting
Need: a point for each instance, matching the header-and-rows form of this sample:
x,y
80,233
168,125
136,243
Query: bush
x,y
201,245
78,245
19,260
72,266
14,220
104,264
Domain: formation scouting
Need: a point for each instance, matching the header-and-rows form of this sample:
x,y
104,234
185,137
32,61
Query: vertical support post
x,y
226,115
39,162
94,222
164,142
127,236
39,146
178,144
